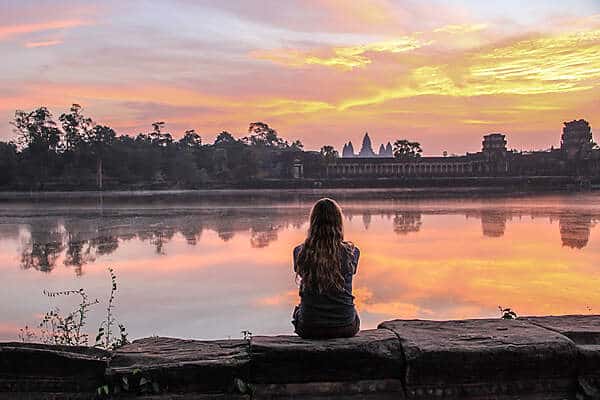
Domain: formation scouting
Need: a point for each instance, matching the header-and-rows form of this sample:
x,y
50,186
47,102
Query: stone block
x,y
51,370
372,354
582,329
380,389
178,365
481,359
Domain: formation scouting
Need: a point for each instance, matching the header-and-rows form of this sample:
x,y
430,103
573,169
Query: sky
x,y
442,73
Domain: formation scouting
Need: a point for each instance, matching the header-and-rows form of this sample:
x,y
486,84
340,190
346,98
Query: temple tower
x,y
388,150
576,140
348,150
367,149
495,153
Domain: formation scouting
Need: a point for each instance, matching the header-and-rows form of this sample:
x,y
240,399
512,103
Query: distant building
x,y
366,150
576,157
576,140
494,142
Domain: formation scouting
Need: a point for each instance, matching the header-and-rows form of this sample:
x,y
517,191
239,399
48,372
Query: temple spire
x,y
366,150
389,152
348,150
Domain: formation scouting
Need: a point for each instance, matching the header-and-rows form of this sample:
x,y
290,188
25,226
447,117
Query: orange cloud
x,y
345,58
565,63
8,31
46,43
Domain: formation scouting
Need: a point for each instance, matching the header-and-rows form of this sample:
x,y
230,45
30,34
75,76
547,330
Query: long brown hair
x,y
319,263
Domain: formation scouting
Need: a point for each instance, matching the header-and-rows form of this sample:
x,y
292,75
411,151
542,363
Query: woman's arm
x,y
295,256
355,257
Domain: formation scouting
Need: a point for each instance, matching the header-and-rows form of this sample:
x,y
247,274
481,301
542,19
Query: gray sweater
x,y
330,309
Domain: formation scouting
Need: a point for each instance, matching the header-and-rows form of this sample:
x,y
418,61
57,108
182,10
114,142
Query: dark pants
x,y
324,332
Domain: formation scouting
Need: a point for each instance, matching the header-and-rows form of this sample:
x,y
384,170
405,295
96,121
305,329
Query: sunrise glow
x,y
320,71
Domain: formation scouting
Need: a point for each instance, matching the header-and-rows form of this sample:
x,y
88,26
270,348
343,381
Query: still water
x,y
212,265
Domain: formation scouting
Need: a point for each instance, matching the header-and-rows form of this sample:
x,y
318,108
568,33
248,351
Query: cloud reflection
x,y
420,259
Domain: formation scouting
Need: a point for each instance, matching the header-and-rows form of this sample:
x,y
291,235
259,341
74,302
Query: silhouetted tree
x,y
297,145
40,139
260,134
76,127
100,139
405,150
224,138
8,162
190,140
157,137
329,153
77,150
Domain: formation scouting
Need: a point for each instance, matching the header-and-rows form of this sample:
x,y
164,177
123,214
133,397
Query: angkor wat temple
x,y
577,156
366,151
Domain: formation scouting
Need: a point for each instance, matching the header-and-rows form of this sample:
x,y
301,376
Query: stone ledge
x,y
479,358
528,358
31,367
360,389
582,329
179,365
372,354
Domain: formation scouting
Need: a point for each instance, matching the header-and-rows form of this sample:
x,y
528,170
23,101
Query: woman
x,y
324,264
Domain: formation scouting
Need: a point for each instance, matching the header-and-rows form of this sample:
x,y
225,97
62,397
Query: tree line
x,y
73,151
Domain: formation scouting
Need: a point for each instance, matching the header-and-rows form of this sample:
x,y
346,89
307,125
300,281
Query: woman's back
x,y
332,308
325,265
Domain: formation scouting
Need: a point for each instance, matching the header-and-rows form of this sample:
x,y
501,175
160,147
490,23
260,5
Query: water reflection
x,y
493,223
84,239
575,229
212,270
43,246
407,222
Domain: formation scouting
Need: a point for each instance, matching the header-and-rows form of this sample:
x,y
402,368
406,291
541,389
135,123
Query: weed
x,y
69,329
507,313
105,337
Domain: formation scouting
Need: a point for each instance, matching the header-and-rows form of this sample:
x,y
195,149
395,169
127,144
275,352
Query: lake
x,y
212,264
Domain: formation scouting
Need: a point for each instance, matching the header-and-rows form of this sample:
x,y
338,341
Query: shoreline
x,y
294,193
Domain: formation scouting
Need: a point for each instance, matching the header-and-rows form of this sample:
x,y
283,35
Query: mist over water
x,y
214,265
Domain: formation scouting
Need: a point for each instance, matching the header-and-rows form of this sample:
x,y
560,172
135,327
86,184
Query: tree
x,y
297,145
100,139
76,127
157,137
329,153
261,135
36,129
224,138
406,150
8,162
39,136
190,140
185,171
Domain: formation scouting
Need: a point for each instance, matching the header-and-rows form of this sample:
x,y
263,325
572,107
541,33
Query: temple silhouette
x,y
577,156
366,150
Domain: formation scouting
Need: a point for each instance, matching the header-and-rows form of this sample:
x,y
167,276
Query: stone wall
x,y
528,358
